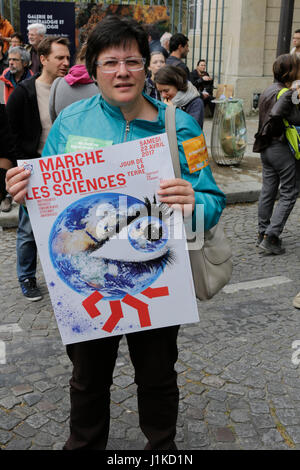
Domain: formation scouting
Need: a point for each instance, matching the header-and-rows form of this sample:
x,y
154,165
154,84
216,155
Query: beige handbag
x,y
211,264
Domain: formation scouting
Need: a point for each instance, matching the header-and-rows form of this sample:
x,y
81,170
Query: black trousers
x,y
153,354
208,102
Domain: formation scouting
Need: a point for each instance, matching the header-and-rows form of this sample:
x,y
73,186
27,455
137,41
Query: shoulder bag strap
x,y
170,125
52,109
281,92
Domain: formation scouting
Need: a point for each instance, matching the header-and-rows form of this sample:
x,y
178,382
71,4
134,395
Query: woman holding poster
x,y
123,113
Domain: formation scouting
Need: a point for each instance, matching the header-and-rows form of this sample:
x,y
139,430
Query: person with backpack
x,y
280,168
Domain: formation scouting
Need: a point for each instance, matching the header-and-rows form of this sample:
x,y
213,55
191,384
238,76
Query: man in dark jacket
x,y
18,61
179,48
28,113
7,158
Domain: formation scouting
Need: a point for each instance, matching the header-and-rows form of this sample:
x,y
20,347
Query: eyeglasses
x,y
132,64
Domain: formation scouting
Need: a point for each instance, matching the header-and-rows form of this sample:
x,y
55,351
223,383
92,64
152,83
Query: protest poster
x,y
58,17
115,259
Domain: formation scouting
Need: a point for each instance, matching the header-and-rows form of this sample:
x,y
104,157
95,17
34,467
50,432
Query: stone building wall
x,y
250,32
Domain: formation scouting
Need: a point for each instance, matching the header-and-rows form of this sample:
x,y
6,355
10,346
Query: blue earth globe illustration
x,y
110,243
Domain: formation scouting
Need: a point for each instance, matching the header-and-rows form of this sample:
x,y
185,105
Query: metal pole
x,y
1,7
194,35
215,37
201,30
187,17
173,16
180,16
12,14
221,42
208,31
285,26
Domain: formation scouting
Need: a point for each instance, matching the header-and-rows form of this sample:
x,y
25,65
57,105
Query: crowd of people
x,y
38,85
173,51
20,61
281,170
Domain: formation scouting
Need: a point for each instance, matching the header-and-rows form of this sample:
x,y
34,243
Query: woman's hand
x,y
17,179
168,102
178,194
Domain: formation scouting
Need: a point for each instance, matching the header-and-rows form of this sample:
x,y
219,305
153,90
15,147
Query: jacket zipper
x,y
127,129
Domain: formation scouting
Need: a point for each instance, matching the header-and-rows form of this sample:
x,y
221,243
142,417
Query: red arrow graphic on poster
x,y
142,308
151,292
116,315
90,304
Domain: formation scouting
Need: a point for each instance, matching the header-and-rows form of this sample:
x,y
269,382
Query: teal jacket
x,y
95,118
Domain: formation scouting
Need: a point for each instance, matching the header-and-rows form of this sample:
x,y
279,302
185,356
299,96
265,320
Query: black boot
x,y
271,245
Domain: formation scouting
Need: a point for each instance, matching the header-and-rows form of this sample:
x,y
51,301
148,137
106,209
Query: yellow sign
x,y
196,154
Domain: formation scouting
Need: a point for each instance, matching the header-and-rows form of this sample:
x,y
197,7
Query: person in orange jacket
x,y
18,61
6,30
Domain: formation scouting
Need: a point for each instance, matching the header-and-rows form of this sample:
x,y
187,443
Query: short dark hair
x,y
286,68
153,31
297,31
19,36
201,60
44,47
171,75
113,31
177,40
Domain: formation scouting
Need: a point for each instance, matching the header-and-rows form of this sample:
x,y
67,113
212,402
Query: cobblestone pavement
x,y
240,388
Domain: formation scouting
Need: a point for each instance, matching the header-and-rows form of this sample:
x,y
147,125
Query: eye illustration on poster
x,y
112,243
